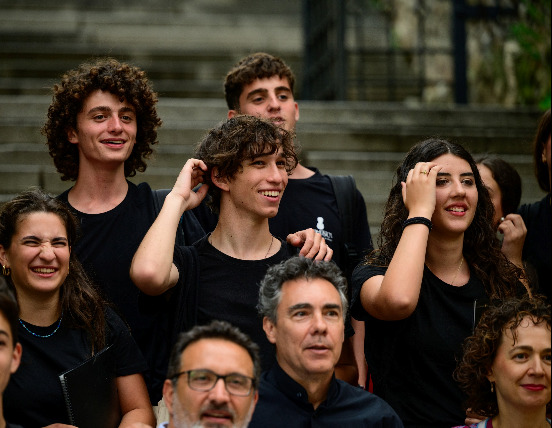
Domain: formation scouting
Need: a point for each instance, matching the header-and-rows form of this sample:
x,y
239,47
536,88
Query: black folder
x,y
90,392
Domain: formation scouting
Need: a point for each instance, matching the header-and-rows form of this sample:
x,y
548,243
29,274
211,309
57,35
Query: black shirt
x,y
412,360
284,403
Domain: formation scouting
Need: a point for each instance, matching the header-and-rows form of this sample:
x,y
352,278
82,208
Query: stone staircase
x,y
186,47
367,140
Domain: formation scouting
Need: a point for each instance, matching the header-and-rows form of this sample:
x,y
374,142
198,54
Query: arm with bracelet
x,y
394,296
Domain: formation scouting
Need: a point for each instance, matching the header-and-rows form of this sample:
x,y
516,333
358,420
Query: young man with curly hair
x,y
101,126
243,164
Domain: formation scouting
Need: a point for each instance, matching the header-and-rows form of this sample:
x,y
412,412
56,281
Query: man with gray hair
x,y
200,358
304,305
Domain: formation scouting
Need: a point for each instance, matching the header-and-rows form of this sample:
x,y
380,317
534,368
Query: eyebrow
x,y
448,174
309,306
106,108
264,91
4,333
525,348
57,239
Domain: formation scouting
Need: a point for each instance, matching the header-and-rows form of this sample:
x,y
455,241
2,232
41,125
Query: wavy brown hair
x,y
480,348
127,82
482,249
259,65
82,306
243,137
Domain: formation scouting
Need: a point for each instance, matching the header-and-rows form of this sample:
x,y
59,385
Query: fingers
x,y
313,245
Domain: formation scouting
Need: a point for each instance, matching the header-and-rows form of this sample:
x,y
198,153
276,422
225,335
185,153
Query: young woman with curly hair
x,y
505,369
438,255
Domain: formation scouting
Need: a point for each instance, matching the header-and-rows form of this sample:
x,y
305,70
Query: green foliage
x,y
532,32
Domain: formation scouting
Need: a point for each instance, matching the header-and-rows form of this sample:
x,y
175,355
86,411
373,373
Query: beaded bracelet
x,y
417,220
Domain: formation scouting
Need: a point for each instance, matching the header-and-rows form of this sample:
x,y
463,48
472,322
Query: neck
x,y
301,172
242,242
98,191
317,388
42,312
513,418
445,259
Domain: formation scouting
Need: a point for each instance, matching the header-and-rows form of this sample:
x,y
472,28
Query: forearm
x,y
152,264
138,418
399,290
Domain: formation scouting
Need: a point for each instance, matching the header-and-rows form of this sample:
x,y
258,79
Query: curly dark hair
x,y
541,138
480,348
259,65
231,142
482,249
127,82
508,181
82,306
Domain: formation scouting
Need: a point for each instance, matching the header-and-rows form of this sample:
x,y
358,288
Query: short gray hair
x,y
270,292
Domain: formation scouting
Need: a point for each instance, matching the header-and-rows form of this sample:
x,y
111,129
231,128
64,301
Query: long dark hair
x,y
482,249
82,306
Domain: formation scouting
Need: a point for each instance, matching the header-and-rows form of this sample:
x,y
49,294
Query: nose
x,y
219,394
319,325
273,103
537,367
458,188
47,252
275,174
114,124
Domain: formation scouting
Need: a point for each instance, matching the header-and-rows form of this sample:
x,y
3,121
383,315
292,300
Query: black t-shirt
x,y
228,290
537,248
310,203
107,244
412,360
33,397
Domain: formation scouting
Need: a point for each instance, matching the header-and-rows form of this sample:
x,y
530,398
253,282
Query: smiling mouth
x,y
43,270
270,193
117,143
457,209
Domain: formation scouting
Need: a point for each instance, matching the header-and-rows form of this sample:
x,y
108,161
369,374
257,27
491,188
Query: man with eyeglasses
x,y
212,378
304,304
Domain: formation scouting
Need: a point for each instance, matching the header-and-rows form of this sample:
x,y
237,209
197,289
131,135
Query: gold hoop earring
x,y
6,271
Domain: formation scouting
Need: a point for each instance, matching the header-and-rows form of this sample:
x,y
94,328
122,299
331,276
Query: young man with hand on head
x,y
244,164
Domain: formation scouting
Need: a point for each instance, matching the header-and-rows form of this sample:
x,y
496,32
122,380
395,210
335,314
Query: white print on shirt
x,y
328,236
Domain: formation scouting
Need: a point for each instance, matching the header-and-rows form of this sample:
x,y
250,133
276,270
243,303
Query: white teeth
x,y
457,209
44,270
272,193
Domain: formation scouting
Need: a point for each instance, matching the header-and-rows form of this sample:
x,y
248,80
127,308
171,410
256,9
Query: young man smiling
x,y
101,127
244,164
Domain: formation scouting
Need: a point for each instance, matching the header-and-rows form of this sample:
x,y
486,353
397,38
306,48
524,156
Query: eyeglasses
x,y
205,380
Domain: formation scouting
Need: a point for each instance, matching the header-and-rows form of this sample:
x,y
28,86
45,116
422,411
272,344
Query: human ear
x,y
3,256
168,395
221,183
16,358
270,329
72,136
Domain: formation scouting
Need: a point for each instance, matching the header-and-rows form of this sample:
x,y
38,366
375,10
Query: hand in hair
x,y
419,189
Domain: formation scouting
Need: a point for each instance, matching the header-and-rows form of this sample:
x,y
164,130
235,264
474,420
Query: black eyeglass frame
x,y
217,377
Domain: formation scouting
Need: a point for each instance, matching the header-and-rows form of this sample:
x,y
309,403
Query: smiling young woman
x,y
62,319
438,256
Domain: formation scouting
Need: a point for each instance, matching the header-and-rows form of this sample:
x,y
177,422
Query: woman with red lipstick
x,y
438,258
505,370
62,320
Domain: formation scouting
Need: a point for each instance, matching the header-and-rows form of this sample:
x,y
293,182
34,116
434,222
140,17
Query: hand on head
x,y
191,175
419,189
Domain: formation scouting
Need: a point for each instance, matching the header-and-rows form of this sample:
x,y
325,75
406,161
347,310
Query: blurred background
x,y
374,77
